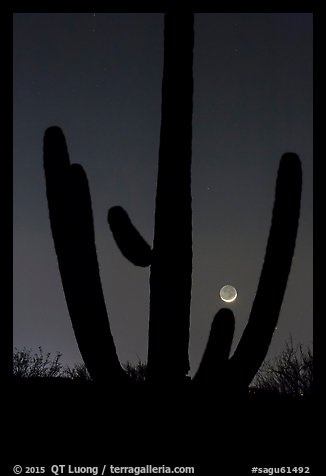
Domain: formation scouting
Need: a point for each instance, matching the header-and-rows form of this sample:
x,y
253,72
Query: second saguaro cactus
x,y
170,256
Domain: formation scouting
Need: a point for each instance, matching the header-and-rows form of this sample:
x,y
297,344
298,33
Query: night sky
x,y
98,76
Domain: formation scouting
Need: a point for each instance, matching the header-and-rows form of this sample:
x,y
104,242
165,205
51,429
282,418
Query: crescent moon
x,y
228,293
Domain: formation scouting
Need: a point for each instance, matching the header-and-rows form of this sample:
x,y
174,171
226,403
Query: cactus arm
x,y
170,275
217,350
73,233
258,333
130,242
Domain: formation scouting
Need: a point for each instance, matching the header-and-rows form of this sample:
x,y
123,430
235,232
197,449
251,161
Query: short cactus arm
x,y
73,233
213,364
130,242
258,333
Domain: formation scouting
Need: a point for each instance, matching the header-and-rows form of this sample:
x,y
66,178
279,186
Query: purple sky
x,y
98,77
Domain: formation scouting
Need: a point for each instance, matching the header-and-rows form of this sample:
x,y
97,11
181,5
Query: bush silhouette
x,y
137,372
289,374
32,365
170,256
27,364
78,372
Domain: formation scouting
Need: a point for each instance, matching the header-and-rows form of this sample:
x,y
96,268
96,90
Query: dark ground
x,y
91,425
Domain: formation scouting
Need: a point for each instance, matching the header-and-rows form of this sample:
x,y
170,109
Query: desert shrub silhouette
x,y
137,372
72,227
289,374
77,372
29,364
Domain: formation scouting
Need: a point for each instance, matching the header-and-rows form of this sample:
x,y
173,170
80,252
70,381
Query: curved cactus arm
x,y
212,366
258,333
130,242
72,227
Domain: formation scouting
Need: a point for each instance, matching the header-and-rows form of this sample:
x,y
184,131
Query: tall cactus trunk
x,y
170,276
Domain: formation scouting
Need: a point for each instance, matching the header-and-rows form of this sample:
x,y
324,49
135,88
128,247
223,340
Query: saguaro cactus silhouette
x,y
73,233
170,257
240,369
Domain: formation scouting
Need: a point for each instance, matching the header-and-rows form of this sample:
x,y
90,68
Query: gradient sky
x,y
98,77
